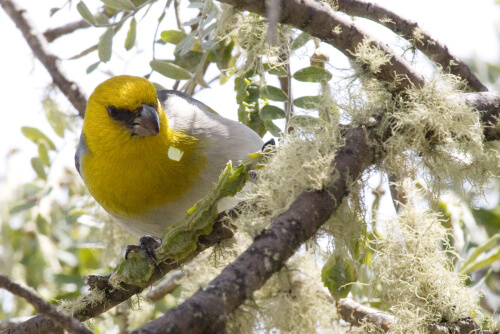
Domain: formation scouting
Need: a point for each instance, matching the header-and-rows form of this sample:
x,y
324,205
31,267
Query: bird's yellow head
x,y
125,105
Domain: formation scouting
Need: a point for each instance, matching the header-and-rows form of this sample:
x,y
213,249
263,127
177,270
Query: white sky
x,y
464,27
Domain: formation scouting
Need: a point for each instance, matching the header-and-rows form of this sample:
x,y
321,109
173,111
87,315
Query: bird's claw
x,y
147,244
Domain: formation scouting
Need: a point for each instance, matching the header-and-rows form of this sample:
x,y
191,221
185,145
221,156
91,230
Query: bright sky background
x,y
466,28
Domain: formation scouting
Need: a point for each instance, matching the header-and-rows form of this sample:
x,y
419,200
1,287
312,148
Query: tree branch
x,y
40,48
207,310
356,313
411,31
488,104
60,317
53,34
319,20
113,297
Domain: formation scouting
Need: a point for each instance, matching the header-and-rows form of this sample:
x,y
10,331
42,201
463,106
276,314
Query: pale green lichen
x,y
370,56
305,156
386,20
292,301
417,36
83,301
250,32
439,138
413,275
334,4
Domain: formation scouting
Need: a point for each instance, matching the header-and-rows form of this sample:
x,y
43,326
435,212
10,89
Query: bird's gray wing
x,y
80,150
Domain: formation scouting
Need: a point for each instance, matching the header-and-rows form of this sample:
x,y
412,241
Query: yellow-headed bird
x,y
147,156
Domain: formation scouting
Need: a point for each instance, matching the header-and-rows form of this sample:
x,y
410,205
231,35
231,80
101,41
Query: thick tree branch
x,y
57,315
411,31
40,48
207,310
488,104
55,33
319,20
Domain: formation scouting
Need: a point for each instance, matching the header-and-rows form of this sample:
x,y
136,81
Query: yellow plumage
x,y
146,160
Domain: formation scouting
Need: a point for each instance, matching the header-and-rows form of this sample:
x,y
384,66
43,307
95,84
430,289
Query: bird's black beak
x,y
147,124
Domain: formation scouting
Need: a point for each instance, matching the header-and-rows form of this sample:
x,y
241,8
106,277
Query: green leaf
x,y
275,70
88,257
269,112
490,219
101,19
300,41
272,128
480,264
170,70
43,152
186,44
37,165
36,135
305,121
43,225
73,215
307,102
209,45
54,10
274,93
22,207
31,189
126,5
105,45
56,118
132,31
312,74
336,275
190,61
92,67
172,36
85,13
477,252
223,55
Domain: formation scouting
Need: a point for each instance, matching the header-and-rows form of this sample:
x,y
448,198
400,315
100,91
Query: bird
x,y
147,155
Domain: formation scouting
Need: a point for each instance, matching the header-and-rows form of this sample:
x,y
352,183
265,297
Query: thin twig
x,y
356,313
160,19
40,48
55,33
398,196
60,317
165,287
177,4
273,15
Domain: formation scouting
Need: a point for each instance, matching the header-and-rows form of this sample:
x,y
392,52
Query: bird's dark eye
x,y
113,112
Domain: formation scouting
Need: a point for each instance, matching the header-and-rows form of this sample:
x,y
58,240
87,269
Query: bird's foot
x,y
147,245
